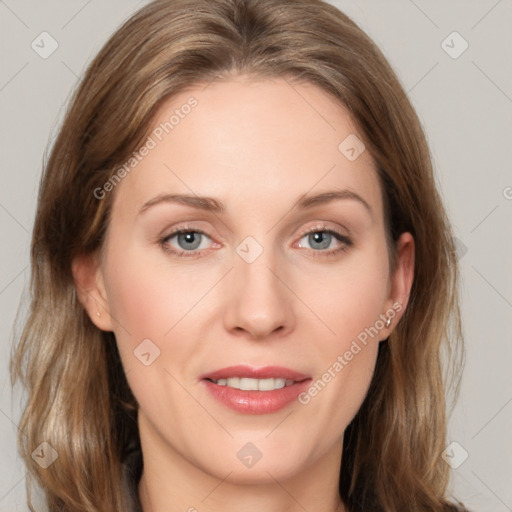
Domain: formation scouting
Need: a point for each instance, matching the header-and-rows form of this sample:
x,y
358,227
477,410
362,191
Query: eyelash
x,y
346,241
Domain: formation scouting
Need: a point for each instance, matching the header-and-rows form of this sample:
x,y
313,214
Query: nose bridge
x,y
259,302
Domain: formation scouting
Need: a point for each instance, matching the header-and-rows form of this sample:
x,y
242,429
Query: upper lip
x,y
265,372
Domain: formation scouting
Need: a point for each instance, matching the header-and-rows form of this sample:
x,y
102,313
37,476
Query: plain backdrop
x,y
464,99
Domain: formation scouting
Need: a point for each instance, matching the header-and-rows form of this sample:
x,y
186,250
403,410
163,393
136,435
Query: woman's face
x,y
286,265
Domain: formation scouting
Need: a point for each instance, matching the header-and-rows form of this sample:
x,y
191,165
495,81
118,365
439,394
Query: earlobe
x,y
90,290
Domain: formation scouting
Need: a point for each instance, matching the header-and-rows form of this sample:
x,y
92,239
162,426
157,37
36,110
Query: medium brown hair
x,y
78,397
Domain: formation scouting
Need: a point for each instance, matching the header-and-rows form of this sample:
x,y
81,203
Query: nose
x,y
259,303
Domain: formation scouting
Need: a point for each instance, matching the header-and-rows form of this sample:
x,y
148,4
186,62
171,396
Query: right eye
x,y
187,240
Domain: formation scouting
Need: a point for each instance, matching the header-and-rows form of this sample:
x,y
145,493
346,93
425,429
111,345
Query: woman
x,y
243,274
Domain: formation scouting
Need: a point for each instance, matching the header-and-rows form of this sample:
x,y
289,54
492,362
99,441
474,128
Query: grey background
x,y
465,105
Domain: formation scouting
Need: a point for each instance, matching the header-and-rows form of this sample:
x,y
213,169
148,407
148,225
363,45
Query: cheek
x,y
153,298
348,297
136,303
145,298
148,302
350,304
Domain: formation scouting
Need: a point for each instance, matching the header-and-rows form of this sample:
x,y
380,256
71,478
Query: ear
x,y
400,282
90,290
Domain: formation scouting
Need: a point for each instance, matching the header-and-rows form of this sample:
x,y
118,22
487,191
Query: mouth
x,y
250,390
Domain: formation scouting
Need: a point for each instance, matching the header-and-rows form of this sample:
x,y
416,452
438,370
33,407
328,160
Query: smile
x,y
250,390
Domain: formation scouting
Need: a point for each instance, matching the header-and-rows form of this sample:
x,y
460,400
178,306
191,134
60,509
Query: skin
x,y
256,146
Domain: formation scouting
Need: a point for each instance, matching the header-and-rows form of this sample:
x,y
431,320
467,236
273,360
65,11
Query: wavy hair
x,y
78,399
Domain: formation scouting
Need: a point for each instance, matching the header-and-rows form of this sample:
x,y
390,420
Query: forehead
x,y
251,142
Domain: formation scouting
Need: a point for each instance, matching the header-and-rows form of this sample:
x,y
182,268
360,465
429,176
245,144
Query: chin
x,y
261,473
257,463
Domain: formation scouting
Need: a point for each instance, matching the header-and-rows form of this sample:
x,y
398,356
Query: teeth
x,y
267,384
248,384
233,382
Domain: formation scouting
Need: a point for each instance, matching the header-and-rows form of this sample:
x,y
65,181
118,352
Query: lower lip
x,y
256,402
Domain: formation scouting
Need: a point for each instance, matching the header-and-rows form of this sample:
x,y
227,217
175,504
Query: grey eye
x,y
190,240
319,240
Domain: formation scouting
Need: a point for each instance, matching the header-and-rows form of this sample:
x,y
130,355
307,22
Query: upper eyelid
x,y
324,226
320,225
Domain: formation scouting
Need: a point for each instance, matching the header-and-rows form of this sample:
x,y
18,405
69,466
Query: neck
x,y
246,499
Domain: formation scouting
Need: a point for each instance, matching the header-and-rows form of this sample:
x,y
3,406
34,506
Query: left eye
x,y
322,239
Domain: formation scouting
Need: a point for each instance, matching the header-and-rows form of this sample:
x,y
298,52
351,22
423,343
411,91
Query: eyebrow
x,y
214,205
